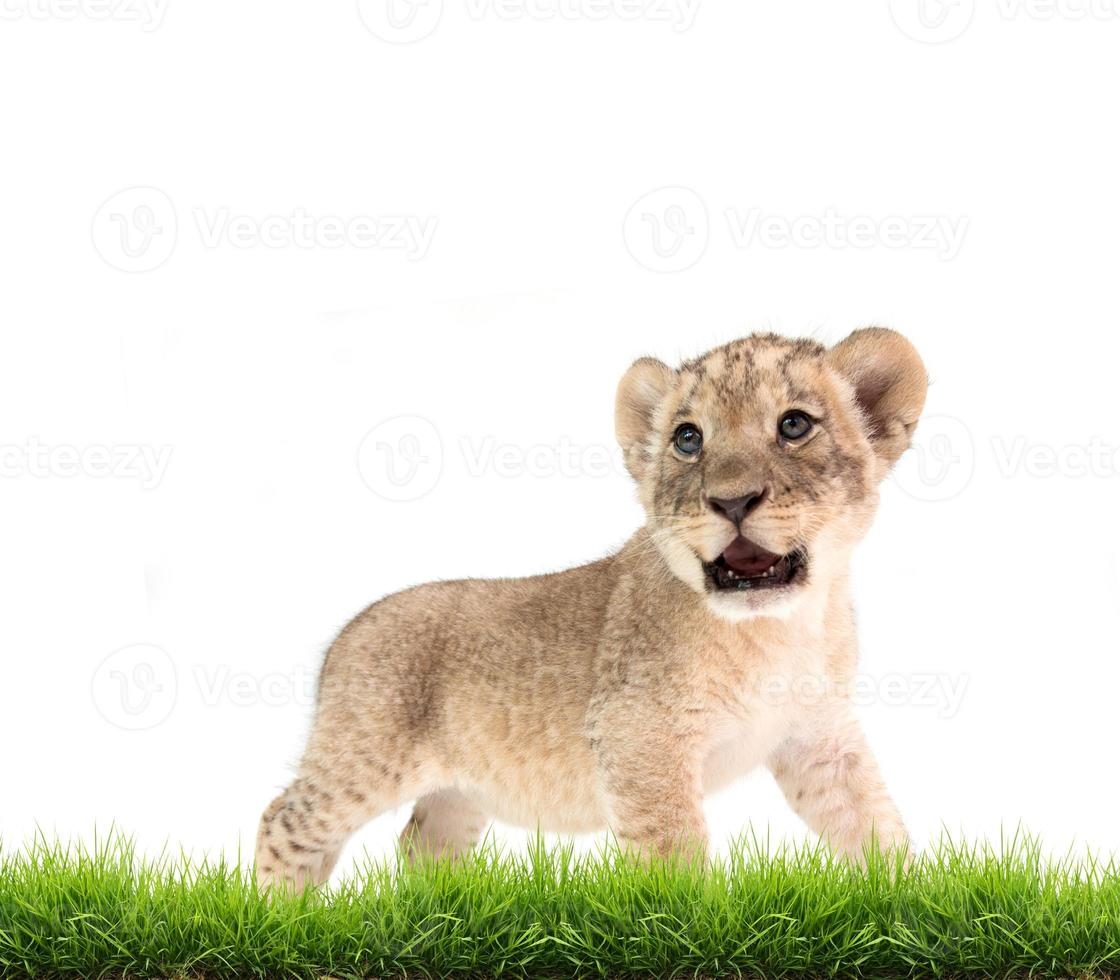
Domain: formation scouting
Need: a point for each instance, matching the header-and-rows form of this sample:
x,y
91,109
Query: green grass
x,y
958,911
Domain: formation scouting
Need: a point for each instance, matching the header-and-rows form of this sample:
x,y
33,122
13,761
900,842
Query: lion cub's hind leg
x,y
342,785
303,831
445,823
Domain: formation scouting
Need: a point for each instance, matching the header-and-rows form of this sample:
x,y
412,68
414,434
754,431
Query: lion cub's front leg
x,y
651,778
831,779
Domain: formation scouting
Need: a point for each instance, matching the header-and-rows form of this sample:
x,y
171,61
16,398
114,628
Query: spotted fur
x,y
620,692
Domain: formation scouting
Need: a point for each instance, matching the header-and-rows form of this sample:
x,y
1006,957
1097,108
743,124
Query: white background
x,y
948,171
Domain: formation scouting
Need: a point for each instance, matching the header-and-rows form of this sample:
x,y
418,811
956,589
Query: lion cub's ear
x,y
639,393
890,384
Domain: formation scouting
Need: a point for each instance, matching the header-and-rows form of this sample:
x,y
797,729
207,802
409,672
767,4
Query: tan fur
x,y
620,692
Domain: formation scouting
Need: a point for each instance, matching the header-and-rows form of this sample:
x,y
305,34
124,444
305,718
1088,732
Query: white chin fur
x,y
738,606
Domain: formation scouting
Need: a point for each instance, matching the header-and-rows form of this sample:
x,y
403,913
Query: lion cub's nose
x,y
736,508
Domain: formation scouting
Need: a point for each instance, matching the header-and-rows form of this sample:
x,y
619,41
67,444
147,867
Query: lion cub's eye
x,y
795,425
688,439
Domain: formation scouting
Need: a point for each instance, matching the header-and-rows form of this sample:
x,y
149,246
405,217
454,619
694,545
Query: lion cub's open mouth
x,y
746,565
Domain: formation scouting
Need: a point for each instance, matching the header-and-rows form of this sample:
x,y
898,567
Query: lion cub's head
x,y
758,463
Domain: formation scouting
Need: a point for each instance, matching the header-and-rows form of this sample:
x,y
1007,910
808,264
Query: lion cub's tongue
x,y
747,558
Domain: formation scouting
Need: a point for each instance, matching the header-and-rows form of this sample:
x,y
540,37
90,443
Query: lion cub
x,y
620,692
